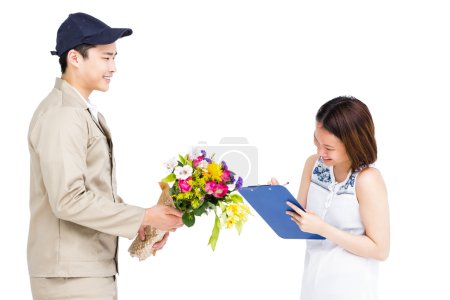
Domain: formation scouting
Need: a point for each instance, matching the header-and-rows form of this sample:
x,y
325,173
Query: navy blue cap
x,y
81,28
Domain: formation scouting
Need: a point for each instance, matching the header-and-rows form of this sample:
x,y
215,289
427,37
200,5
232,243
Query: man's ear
x,y
73,58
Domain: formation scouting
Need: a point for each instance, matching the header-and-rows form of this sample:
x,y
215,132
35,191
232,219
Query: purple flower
x,y
232,177
208,160
203,153
239,183
224,165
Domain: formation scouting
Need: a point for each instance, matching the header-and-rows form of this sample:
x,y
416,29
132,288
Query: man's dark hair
x,y
82,49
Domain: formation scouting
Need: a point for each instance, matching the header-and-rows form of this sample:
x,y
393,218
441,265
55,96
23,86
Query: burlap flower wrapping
x,y
143,249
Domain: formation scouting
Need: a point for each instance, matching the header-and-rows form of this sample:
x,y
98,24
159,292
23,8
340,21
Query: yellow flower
x,y
213,172
237,211
245,211
232,209
230,222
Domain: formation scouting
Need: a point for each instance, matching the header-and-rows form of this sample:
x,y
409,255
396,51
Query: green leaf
x,y
188,162
201,209
182,159
239,225
236,198
170,178
215,234
181,205
174,190
188,219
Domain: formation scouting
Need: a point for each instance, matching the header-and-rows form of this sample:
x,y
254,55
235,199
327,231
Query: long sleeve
x,y
65,148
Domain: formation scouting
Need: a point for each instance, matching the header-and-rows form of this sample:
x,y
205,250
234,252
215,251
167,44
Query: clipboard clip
x,y
251,186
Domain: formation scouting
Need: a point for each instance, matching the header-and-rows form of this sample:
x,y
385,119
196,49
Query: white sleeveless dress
x,y
332,273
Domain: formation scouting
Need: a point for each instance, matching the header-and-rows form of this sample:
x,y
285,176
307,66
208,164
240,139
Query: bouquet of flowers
x,y
201,185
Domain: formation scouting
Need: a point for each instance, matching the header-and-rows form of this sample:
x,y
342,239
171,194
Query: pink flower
x,y
197,161
221,190
184,185
218,190
210,187
225,176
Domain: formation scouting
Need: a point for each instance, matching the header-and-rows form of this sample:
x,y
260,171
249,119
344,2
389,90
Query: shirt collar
x,y
92,107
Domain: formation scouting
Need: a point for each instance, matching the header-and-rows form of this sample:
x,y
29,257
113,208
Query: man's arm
x,y
61,144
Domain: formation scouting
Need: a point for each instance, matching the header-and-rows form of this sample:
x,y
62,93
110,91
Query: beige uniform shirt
x,y
75,212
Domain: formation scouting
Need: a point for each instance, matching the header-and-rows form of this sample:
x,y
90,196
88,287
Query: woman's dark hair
x,y
82,49
350,120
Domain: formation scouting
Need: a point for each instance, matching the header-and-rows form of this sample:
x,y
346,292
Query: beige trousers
x,y
74,288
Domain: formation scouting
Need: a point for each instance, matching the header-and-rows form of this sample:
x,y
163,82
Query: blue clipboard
x,y
270,203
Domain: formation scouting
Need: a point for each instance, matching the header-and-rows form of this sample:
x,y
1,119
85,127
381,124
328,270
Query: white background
x,y
202,70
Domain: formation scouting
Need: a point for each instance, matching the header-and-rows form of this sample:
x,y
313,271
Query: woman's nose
x,y
321,151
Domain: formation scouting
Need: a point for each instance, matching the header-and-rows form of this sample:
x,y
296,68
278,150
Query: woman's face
x,y
330,148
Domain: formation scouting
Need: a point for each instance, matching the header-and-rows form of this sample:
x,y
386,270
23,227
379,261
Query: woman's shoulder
x,y
369,178
369,173
311,161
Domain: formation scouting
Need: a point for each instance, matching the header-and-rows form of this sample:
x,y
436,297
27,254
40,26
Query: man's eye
x,y
106,58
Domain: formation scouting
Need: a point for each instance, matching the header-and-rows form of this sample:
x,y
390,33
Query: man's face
x,y
97,68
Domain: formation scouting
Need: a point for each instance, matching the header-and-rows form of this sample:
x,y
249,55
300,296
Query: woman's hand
x,y
273,181
307,221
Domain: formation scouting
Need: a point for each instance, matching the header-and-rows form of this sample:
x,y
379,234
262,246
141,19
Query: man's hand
x,y
141,232
162,217
159,245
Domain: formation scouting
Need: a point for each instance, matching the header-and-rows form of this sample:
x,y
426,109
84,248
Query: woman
x,y
346,203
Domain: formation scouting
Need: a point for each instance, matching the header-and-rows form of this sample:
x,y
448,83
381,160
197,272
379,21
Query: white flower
x,y
183,172
231,186
193,154
203,164
171,164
